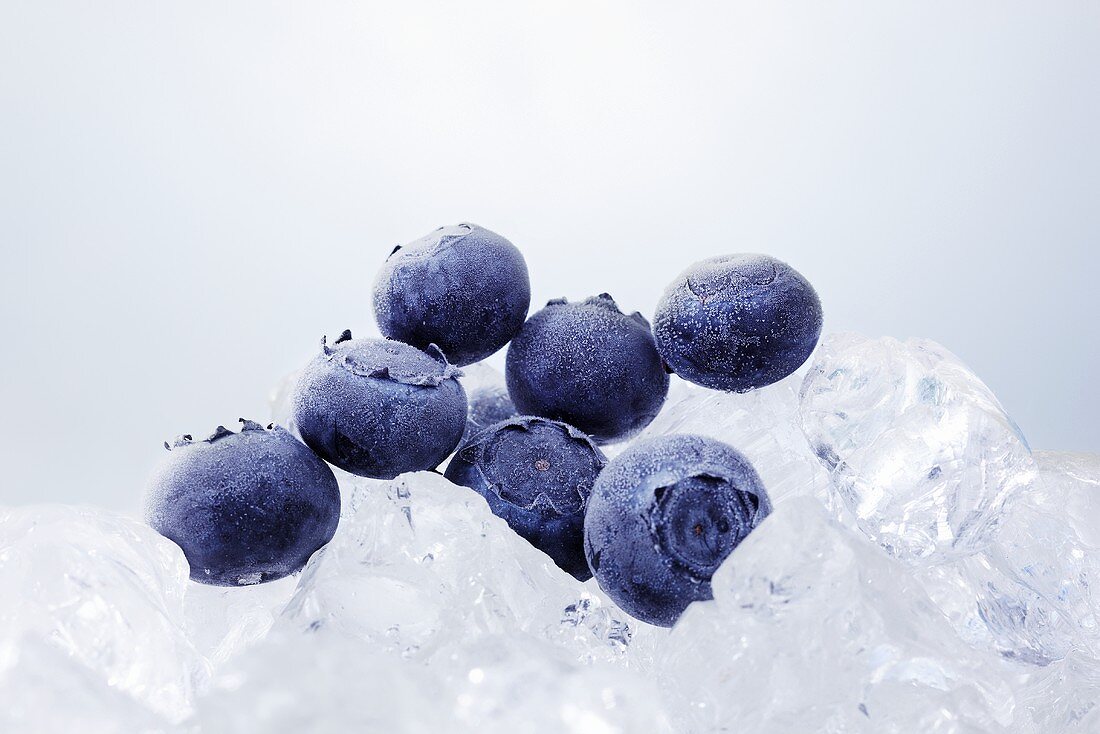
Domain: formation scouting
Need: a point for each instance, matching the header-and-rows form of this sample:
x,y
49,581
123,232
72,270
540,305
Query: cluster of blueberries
x,y
652,525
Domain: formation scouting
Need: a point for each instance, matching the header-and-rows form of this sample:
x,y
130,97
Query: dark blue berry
x,y
537,475
462,288
379,408
663,516
589,365
245,507
488,404
737,322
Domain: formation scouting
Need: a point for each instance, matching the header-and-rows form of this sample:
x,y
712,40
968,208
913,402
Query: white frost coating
x,y
104,589
920,451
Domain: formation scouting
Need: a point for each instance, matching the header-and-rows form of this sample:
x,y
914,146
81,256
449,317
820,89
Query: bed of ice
x,y
924,571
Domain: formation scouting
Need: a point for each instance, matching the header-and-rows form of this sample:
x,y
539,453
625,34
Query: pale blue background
x,y
192,193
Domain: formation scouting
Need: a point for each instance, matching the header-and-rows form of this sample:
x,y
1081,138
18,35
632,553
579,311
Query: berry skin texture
x,y
245,507
379,408
462,288
663,516
487,405
737,322
589,365
537,475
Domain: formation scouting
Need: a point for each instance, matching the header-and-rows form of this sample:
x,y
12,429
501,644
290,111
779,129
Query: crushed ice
x,y
923,571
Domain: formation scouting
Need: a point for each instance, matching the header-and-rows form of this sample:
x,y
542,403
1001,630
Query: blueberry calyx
x,y
368,364
483,452
219,433
696,522
178,442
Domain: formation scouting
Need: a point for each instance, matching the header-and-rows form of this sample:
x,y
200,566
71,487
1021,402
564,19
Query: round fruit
x,y
245,507
663,516
379,408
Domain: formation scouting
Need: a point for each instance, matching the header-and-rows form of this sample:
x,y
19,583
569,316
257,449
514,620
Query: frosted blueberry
x,y
589,365
537,475
462,288
737,322
663,516
379,408
487,398
245,507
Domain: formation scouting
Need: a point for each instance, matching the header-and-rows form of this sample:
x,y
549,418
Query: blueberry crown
x,y
604,301
383,359
219,433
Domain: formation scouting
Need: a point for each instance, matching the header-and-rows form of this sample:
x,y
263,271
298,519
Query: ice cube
x,y
813,629
921,452
518,683
419,561
1038,584
491,683
107,591
320,682
1061,697
223,621
48,692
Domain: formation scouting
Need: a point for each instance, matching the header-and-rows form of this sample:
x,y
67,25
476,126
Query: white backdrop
x,y
192,193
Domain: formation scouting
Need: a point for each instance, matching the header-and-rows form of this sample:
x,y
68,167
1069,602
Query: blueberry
x,y
737,322
462,288
589,365
537,475
379,408
663,516
244,507
488,404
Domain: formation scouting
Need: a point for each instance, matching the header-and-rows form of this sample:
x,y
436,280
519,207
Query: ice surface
x,y
419,561
427,613
324,681
1061,697
1038,584
1032,594
761,424
104,589
223,621
921,452
48,692
813,629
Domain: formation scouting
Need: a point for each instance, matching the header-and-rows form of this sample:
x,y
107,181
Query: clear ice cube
x,y
48,692
920,451
813,629
419,561
106,590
